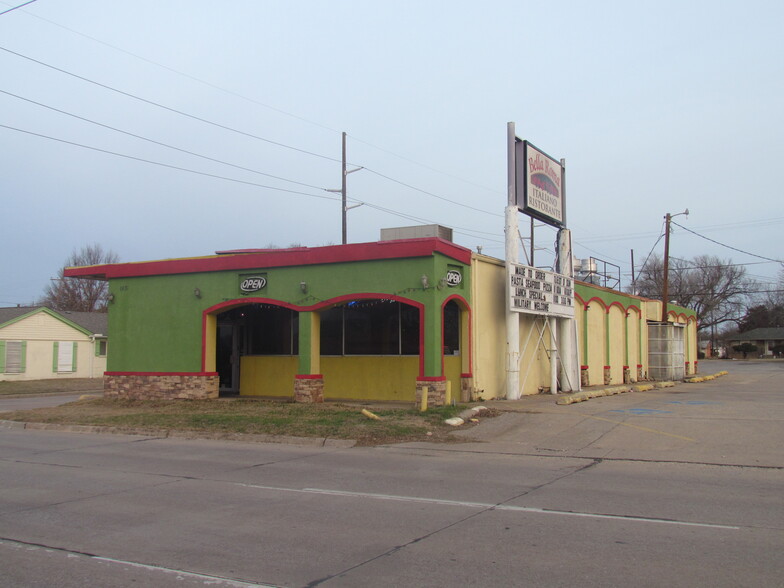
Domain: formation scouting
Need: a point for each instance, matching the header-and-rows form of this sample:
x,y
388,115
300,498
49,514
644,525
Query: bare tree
x,y
80,294
717,290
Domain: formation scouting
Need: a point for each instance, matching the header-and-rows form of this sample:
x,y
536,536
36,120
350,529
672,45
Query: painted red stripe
x,y
161,374
278,258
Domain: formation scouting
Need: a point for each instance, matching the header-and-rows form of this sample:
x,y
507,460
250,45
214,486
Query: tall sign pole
x,y
511,231
537,188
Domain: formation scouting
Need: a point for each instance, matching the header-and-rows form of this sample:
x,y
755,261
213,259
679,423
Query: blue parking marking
x,y
643,411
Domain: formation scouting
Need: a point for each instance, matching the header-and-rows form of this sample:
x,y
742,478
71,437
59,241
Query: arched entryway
x,y
254,338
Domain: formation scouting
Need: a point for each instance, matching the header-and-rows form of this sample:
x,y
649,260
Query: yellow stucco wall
x,y
386,378
377,377
595,358
616,322
489,335
268,375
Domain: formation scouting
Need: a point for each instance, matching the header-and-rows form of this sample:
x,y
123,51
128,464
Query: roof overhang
x,y
269,258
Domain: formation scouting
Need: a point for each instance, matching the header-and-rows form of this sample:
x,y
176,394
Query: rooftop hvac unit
x,y
416,232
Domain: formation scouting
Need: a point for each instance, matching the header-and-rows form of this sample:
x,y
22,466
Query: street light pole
x,y
666,283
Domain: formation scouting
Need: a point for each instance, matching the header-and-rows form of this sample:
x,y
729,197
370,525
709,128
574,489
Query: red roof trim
x,y
261,259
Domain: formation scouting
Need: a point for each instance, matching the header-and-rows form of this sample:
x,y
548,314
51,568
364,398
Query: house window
x,y
64,357
14,357
100,347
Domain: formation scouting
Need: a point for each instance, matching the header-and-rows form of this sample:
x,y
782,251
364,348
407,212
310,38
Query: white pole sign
x,y
536,291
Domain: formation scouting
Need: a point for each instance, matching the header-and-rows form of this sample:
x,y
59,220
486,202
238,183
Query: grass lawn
x,y
233,416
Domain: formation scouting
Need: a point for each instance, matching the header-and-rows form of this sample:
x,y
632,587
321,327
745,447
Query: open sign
x,y
453,278
253,283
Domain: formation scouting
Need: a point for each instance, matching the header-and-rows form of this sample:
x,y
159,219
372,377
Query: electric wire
x,y
16,7
166,165
228,128
170,109
253,101
226,178
423,165
725,245
181,150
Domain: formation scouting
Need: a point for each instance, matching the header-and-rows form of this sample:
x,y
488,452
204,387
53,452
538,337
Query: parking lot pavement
x,y
737,419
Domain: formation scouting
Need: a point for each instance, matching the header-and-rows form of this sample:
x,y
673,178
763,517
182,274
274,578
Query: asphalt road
x,y
675,487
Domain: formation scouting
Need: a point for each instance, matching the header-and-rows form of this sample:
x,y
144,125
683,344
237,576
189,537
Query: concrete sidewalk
x,y
734,420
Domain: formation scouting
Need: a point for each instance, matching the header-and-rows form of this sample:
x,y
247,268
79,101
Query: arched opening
x,y
456,346
256,330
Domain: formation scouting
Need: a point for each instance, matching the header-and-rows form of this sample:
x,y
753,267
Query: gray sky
x,y
656,106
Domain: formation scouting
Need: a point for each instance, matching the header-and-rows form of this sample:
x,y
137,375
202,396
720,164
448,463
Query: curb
x,y
588,394
707,378
248,438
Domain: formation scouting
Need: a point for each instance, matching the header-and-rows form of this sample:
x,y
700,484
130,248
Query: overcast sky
x,y
656,107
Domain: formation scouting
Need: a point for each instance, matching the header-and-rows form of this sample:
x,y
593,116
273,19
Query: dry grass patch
x,y
244,416
52,386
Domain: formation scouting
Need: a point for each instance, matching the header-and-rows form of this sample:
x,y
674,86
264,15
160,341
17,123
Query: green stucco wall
x,y
156,321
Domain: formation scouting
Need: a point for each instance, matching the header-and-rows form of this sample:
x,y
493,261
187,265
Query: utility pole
x,y
666,282
343,208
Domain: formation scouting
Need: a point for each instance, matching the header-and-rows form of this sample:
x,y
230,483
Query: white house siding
x,y
41,331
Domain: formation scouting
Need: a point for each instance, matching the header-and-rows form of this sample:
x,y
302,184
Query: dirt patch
x,y
255,417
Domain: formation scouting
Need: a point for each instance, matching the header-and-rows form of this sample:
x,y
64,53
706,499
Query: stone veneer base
x,y
161,386
309,389
436,392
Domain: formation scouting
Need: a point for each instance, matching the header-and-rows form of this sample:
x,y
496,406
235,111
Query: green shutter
x,y
2,356
23,358
54,360
74,356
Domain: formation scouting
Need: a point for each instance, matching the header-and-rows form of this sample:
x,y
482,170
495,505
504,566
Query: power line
x,y
181,150
219,125
431,193
425,166
185,75
158,163
216,176
168,108
257,102
725,245
16,7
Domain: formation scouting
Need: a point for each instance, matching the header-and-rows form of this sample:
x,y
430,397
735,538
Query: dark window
x,y
451,328
370,327
332,331
268,329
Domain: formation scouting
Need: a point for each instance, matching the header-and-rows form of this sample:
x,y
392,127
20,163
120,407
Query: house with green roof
x,y
39,343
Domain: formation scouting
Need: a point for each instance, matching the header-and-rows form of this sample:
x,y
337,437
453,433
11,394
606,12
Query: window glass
x,y
370,327
266,329
451,328
332,331
409,330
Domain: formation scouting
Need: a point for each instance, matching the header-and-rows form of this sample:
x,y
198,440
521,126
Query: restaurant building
x,y
380,321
